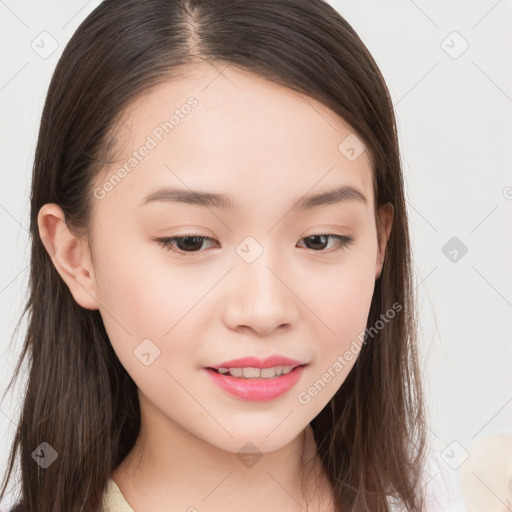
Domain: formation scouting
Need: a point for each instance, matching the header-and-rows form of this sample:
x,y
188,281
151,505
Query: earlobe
x,y
69,254
385,221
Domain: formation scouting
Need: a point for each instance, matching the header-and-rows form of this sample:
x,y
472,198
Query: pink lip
x,y
255,362
256,389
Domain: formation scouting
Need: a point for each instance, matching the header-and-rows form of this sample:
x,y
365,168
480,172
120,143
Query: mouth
x,y
254,383
255,367
250,372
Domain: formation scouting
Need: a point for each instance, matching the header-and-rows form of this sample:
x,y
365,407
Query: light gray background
x,y
454,115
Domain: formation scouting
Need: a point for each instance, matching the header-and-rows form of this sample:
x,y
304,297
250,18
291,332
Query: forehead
x,y
225,129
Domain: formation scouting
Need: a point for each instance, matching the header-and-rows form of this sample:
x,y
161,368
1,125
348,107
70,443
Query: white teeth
x,y
251,373
268,373
236,372
257,373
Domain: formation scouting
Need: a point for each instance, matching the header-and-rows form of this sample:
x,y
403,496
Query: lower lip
x,y
256,389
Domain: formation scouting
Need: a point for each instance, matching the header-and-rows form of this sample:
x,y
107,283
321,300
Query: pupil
x,y
195,239
316,237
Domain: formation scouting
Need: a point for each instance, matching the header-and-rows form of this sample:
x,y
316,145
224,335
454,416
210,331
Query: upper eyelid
x,y
204,237
166,242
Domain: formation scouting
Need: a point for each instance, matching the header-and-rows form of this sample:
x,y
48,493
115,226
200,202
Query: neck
x,y
170,468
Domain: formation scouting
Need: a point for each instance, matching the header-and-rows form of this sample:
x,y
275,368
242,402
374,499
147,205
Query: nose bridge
x,y
259,298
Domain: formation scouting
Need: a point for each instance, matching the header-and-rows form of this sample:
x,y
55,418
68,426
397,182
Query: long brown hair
x,y
79,399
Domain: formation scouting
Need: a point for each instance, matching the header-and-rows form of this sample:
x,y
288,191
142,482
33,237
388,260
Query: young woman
x,y
221,311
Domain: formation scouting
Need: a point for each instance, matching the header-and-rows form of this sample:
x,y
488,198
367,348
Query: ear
x,y
69,254
385,221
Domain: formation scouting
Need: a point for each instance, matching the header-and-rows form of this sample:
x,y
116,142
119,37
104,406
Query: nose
x,y
259,297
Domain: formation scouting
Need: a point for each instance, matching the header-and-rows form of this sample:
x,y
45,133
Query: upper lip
x,y
256,362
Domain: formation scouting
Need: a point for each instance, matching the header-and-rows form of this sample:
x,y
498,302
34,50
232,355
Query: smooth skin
x,y
266,147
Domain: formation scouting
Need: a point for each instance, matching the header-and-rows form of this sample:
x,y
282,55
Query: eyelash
x,y
167,243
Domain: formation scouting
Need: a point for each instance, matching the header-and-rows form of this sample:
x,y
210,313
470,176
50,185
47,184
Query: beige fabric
x,y
486,476
113,500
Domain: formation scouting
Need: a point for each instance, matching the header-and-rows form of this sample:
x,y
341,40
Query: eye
x,y
185,244
189,244
340,241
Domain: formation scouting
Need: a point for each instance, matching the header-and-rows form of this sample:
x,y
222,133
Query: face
x,y
267,271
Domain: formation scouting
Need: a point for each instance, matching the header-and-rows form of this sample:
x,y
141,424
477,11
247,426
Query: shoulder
x,y
113,499
486,475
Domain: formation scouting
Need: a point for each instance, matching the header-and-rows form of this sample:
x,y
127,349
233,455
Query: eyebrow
x,y
208,199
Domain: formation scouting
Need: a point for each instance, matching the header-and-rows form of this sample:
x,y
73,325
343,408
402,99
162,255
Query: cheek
x,y
341,294
154,307
141,297
344,314
141,287
341,299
